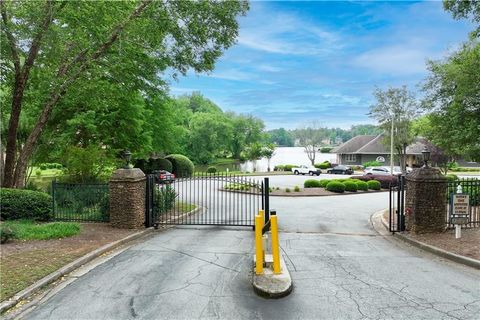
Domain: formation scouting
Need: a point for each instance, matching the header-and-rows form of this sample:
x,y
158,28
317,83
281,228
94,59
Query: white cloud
x,y
394,60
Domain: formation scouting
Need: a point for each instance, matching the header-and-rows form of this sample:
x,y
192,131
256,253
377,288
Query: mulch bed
x,y
24,262
468,245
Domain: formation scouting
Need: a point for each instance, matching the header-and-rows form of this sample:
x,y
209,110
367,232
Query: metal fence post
x,y
267,199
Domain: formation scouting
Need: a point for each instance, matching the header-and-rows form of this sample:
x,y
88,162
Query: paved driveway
x,y
341,269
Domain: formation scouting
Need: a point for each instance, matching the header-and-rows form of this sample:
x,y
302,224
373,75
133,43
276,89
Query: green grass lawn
x,y
31,230
46,172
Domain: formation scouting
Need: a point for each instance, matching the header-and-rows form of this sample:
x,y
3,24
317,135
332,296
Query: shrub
x,y
289,167
211,169
336,186
374,185
350,186
287,190
43,166
58,166
372,164
25,204
311,183
279,167
150,165
38,172
323,183
362,185
181,165
451,177
6,234
165,199
323,165
296,189
326,149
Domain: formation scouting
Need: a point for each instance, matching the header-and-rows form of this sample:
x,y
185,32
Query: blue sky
x,y
298,62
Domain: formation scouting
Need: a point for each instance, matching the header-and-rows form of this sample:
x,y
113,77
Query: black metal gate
x,y
206,199
396,217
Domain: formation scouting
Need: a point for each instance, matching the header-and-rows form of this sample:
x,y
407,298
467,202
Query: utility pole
x,y
391,146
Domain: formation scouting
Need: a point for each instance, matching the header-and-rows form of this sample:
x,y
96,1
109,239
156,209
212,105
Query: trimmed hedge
x,y
25,204
336,186
182,166
451,177
350,186
211,169
374,185
372,164
385,181
362,185
324,182
150,165
312,183
323,165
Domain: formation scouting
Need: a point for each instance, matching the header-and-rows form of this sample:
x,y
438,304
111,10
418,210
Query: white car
x,y
381,171
306,170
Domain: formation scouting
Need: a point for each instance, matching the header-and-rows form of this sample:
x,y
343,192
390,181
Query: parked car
x,y
340,170
306,170
381,171
163,176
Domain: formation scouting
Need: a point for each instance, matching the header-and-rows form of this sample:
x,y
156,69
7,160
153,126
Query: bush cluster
x,y
323,165
326,149
362,185
385,181
165,199
350,186
212,169
336,186
25,204
324,182
311,183
150,165
296,189
284,167
372,164
181,165
6,234
374,185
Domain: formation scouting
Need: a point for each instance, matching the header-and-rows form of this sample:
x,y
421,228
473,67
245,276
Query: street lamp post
x,y
426,156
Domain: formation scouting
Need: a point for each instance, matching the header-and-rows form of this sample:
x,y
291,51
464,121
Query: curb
x,y
25,293
270,285
434,250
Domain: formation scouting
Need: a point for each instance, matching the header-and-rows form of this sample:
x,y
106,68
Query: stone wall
x,y
425,203
127,199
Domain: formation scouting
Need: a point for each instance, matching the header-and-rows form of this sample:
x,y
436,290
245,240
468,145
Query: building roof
x,y
353,144
374,145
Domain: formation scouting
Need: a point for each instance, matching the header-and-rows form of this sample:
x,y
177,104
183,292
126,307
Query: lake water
x,y
287,155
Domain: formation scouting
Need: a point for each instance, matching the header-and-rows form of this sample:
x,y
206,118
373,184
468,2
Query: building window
x,y
350,157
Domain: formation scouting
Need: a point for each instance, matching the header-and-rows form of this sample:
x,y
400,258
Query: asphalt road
x,y
341,269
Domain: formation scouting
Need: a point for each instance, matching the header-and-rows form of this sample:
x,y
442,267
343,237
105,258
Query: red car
x,y
163,176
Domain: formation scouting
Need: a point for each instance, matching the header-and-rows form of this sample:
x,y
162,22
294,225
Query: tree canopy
x,y
70,64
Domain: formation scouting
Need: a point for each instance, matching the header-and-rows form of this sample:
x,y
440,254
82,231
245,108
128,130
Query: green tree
x,y
281,137
246,130
452,95
254,152
465,9
209,135
395,109
52,46
310,138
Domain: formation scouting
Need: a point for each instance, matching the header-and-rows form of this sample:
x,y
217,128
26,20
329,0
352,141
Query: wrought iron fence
x,y
204,199
470,187
85,202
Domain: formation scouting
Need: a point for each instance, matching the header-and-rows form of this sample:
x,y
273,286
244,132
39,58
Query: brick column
x,y
127,199
425,203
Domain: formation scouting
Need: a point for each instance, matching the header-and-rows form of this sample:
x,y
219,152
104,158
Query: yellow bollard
x,y
275,245
261,213
258,245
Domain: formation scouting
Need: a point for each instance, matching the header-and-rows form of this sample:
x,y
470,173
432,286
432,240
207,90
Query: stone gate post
x,y
426,202
127,198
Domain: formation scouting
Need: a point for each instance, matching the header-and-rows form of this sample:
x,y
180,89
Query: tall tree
x,y
465,9
394,110
452,95
310,138
50,46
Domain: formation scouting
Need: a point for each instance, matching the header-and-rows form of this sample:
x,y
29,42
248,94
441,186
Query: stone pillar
x,y
426,202
127,199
